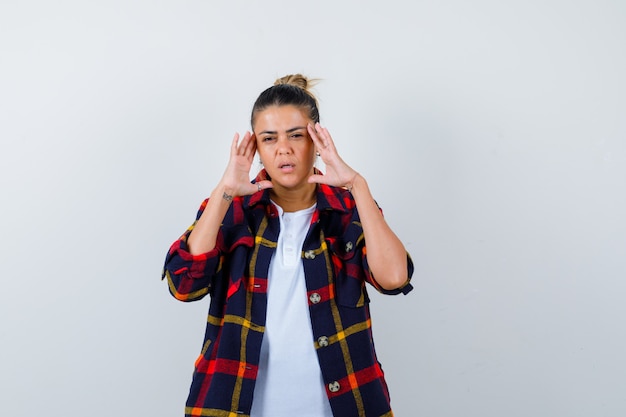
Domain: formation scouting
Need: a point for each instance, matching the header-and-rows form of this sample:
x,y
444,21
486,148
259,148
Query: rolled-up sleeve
x,y
349,257
190,277
367,274
403,289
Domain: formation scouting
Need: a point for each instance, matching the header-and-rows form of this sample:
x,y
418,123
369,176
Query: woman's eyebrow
x,y
273,132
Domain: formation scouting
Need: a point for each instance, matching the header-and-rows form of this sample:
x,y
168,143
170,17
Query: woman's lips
x,y
286,168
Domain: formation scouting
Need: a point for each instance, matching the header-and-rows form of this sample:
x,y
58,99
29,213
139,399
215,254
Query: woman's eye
x,y
297,135
268,139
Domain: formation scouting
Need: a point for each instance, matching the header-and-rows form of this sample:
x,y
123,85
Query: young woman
x,y
285,259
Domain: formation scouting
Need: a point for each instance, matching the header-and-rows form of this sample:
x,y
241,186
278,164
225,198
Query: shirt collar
x,y
328,197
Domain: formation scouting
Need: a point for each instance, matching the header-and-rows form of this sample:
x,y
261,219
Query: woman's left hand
x,y
338,173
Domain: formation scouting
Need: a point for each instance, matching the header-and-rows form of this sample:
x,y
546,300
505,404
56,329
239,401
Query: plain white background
x,y
492,133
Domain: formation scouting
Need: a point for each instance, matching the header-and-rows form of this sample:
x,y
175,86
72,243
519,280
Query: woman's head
x,y
290,90
280,117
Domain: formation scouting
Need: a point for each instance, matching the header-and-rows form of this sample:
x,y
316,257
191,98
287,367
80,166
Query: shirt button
x,y
315,298
349,246
334,386
309,254
322,341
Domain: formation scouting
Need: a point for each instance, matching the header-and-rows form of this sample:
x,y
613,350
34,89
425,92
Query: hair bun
x,y
290,90
297,80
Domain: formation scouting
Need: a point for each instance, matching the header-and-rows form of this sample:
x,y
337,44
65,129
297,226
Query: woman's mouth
x,y
286,167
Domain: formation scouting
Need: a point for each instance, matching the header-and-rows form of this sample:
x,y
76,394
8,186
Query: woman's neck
x,y
294,200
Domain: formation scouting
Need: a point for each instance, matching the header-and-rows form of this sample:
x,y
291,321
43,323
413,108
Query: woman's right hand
x,y
236,178
235,182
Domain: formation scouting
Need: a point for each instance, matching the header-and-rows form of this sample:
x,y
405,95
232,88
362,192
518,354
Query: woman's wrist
x,y
223,192
350,185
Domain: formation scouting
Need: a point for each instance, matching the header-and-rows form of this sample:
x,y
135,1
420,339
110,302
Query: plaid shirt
x,y
234,274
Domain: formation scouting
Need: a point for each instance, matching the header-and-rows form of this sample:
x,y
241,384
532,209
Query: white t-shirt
x,y
289,382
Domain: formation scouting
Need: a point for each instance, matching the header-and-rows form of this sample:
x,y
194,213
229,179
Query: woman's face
x,y
284,145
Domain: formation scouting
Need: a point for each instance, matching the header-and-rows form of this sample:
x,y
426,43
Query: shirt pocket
x,y
239,244
346,258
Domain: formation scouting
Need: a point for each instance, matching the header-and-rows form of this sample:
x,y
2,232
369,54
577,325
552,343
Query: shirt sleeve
x,y
367,274
404,289
190,277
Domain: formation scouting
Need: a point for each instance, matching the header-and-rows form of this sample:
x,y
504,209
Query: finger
x,y
251,146
263,184
256,187
234,144
322,135
316,178
325,135
243,144
319,144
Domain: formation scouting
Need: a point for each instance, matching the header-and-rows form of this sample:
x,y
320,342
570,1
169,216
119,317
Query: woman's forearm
x,y
203,237
386,255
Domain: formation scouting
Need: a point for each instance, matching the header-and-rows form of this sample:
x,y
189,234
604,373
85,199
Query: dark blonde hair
x,y
290,90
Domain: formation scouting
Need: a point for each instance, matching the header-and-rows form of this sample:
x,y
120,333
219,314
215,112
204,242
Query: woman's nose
x,y
283,146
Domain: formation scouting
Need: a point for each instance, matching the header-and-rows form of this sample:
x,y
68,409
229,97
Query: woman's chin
x,y
290,183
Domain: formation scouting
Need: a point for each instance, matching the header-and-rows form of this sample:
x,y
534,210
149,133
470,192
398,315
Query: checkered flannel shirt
x,y
234,274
